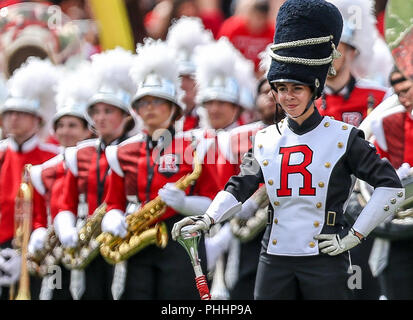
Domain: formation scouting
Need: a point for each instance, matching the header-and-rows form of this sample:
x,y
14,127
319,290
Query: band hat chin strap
x,y
313,97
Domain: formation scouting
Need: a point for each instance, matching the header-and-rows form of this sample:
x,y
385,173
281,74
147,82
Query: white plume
x,y
359,16
3,89
37,80
186,33
77,86
245,75
111,68
155,56
265,60
215,59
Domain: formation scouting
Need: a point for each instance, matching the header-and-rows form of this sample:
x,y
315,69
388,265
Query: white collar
x,y
27,146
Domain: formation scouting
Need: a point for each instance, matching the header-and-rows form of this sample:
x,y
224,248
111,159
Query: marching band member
x,y
348,95
307,163
24,113
184,35
70,127
391,257
242,261
85,184
148,165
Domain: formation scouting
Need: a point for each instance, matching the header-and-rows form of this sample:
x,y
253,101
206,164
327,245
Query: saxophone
x,y
23,223
248,229
41,261
88,247
142,227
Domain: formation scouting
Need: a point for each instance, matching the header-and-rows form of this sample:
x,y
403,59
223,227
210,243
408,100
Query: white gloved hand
x,y
333,245
37,240
200,223
172,196
218,245
114,222
403,171
64,224
10,264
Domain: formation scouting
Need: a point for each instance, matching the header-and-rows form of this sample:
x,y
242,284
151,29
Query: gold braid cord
x,y
304,61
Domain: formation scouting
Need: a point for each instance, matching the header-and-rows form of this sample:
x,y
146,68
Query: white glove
x,y
199,223
64,224
333,245
37,240
217,245
172,196
180,202
114,222
403,171
10,264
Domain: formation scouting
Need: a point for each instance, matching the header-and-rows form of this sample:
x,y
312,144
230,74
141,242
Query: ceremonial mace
x,y
190,241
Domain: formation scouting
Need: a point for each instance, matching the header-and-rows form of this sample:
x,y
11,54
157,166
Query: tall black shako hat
x,y
307,35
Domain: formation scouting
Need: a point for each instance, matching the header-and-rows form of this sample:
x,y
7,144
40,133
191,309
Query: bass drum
x,y
400,227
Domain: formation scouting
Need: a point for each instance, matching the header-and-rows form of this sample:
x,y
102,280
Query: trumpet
x,y
142,227
88,246
23,224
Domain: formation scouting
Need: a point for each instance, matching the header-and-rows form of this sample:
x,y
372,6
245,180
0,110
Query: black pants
x,y
99,275
248,264
320,277
398,275
370,286
63,293
163,274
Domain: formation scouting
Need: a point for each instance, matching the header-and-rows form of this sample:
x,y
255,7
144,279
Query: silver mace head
x,y
190,241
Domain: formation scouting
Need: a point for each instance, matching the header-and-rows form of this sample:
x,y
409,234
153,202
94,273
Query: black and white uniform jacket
x,y
309,172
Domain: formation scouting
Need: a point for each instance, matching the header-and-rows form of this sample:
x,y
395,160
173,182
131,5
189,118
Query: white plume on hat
x,y
215,74
184,35
3,89
265,60
359,31
74,90
111,72
245,74
32,88
155,72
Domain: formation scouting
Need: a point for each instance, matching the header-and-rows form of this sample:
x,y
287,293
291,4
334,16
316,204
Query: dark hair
x,y
84,122
399,79
262,6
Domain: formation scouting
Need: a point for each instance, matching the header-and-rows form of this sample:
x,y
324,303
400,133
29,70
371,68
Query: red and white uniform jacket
x,y
140,167
47,179
13,158
227,147
86,177
352,103
393,136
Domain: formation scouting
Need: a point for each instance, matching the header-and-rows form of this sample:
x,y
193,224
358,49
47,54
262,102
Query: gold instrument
x,y
88,246
40,262
142,229
247,229
23,224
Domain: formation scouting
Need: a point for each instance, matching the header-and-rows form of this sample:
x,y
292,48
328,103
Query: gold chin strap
x,y
305,61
